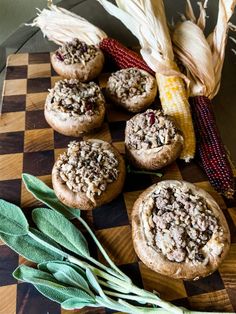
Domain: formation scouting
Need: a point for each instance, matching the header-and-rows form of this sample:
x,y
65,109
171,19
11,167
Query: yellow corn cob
x,y
174,102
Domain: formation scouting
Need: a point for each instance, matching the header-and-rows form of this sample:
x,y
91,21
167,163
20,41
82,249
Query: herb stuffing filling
x,y
88,167
181,224
75,98
150,129
127,83
76,51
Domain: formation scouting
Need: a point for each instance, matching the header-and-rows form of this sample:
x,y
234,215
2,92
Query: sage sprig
x,y
73,279
47,196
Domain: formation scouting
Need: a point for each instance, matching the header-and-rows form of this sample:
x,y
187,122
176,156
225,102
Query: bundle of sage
x,y
73,279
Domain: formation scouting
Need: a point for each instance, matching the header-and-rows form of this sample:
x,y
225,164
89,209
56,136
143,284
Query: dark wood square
x,y
132,270
11,142
10,190
29,300
38,85
14,103
137,182
111,215
16,72
37,58
117,130
35,120
210,283
38,163
62,141
8,263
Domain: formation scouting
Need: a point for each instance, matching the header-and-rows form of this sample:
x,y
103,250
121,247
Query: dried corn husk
x,y
203,57
60,25
218,38
192,48
146,20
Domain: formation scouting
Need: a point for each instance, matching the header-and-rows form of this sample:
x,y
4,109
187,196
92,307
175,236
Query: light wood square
x,y
8,296
102,134
35,101
18,59
228,268
55,79
102,79
118,243
58,152
130,198
120,146
39,70
15,87
169,288
11,166
27,199
205,185
38,140
12,122
25,261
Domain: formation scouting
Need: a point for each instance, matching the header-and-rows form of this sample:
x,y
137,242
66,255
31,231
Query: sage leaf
x,y
41,278
75,303
44,237
60,229
47,196
32,275
31,249
94,283
12,219
43,266
63,293
55,295
68,275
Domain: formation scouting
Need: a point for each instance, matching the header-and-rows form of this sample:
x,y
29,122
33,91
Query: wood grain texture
x,y
8,299
11,166
118,243
12,122
38,140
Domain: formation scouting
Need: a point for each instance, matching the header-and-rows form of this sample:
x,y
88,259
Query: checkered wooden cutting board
x,y
28,144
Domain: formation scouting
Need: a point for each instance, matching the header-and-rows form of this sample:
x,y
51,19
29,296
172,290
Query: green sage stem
x,y
104,253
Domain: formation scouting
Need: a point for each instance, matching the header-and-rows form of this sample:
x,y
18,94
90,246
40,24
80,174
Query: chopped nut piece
x,y
181,224
76,98
88,167
150,129
128,83
76,51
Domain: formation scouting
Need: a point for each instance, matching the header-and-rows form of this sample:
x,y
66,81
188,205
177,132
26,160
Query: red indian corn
x,y
122,56
210,148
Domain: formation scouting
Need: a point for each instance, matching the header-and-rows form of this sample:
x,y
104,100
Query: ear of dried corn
x,y
147,21
203,59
